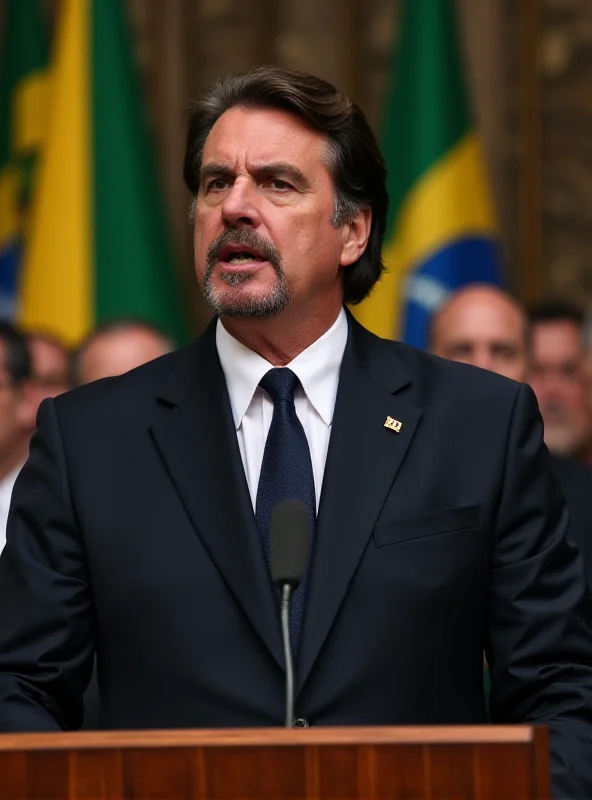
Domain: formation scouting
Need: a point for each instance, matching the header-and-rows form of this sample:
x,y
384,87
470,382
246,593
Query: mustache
x,y
248,237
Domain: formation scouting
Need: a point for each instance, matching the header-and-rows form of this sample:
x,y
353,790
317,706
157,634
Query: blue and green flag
x,y
441,231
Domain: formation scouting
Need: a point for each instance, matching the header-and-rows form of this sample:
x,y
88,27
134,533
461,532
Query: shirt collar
x,y
317,368
243,369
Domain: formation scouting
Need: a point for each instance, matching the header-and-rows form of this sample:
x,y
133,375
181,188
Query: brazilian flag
x,y
99,247
23,122
441,230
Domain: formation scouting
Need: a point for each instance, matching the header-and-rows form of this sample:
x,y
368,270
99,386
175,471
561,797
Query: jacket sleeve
x,y
539,645
46,619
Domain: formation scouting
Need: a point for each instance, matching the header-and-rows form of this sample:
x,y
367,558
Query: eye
x,y
459,350
505,351
280,185
216,185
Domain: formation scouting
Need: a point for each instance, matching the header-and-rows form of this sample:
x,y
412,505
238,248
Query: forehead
x,y
110,344
562,337
262,135
46,350
483,320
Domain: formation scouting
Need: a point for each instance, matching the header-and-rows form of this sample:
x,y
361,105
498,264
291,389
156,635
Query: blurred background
x,y
528,74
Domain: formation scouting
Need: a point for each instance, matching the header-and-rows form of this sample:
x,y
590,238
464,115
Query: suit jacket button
x,y
300,722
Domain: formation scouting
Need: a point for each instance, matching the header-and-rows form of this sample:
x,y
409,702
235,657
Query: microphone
x,y
288,554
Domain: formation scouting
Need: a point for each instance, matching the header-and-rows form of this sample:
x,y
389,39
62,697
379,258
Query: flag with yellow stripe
x,y
23,108
99,248
441,230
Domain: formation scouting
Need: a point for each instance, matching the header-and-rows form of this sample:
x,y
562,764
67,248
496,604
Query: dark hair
x,y
355,161
121,325
553,311
17,359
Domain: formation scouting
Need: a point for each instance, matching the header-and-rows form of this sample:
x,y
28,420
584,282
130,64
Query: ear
x,y
356,235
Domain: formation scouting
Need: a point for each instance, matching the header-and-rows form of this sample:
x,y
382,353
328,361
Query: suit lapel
x,y
195,436
362,462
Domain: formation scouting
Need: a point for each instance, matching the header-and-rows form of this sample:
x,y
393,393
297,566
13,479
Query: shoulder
x,y
132,394
430,367
438,378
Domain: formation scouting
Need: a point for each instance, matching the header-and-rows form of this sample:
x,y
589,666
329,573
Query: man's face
x,y
17,411
263,236
559,382
51,367
485,329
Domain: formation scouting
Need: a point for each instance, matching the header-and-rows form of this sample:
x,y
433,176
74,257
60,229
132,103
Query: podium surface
x,y
406,763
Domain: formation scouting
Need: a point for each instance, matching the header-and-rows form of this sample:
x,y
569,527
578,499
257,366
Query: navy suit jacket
x,y
132,532
575,480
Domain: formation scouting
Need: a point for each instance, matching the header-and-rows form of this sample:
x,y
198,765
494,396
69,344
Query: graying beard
x,y
263,307
235,278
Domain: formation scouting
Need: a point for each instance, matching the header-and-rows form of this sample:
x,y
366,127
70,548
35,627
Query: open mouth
x,y
240,255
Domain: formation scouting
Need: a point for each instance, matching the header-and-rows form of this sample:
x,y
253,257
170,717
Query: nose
x,y
484,359
547,384
240,207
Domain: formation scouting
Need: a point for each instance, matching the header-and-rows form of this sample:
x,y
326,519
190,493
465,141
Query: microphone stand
x,y
289,659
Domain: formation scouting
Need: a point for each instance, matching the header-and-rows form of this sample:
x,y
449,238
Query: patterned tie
x,y
286,473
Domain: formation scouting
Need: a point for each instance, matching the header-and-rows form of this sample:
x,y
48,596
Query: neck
x,y
280,339
17,456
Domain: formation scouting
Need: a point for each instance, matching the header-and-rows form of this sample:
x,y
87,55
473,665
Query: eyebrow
x,y
277,168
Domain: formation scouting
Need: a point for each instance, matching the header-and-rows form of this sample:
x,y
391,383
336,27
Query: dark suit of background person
x,y
132,529
575,480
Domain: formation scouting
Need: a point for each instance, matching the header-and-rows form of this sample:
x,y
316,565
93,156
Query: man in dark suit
x,y
140,525
484,326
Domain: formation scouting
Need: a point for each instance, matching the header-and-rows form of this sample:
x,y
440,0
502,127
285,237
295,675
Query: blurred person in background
x,y
50,364
17,413
117,347
484,326
559,379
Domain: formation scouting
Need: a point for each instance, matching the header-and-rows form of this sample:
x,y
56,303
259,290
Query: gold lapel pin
x,y
393,424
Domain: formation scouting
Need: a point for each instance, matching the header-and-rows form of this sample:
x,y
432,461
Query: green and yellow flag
x,y
99,248
441,231
23,107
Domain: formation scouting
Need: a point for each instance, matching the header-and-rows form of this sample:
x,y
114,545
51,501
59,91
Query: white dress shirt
x,y
317,368
6,487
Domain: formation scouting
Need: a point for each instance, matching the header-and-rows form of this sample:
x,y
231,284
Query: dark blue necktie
x,y
286,472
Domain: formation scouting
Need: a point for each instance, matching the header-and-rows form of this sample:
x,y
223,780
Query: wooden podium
x,y
439,763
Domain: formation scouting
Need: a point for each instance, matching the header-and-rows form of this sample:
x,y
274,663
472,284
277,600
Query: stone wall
x,y
566,79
